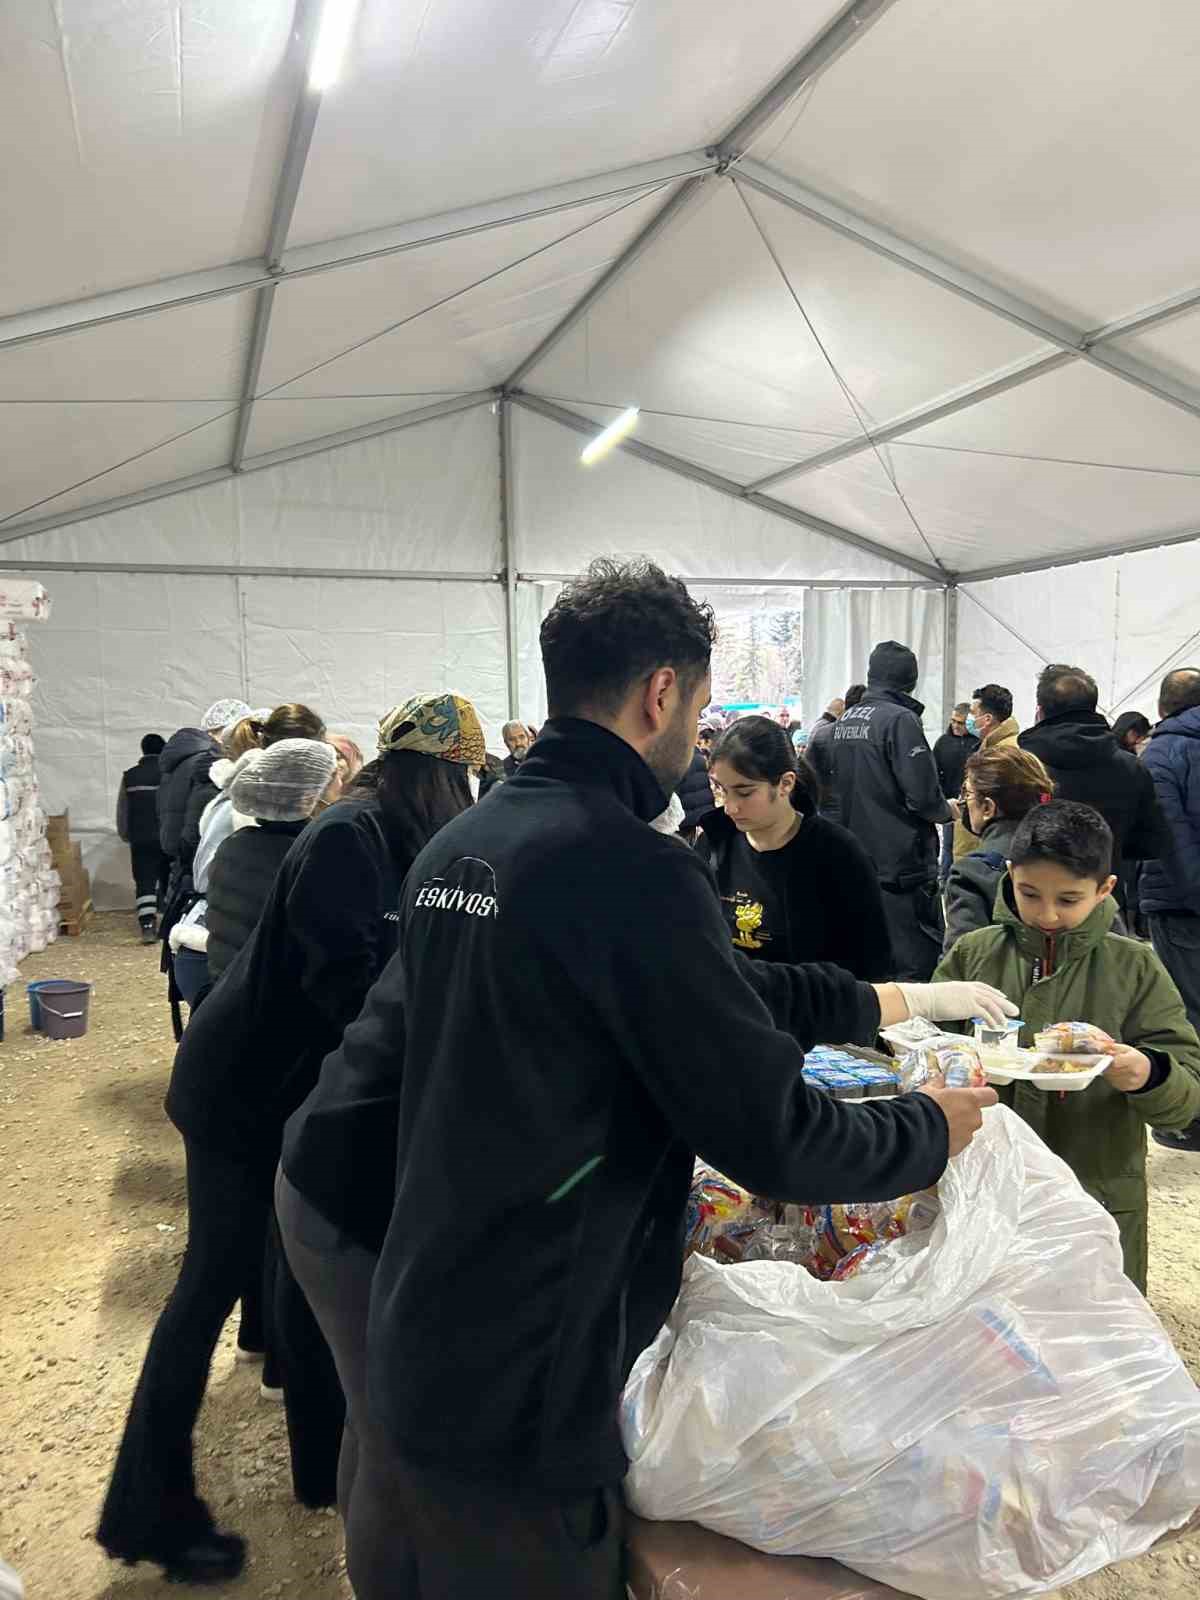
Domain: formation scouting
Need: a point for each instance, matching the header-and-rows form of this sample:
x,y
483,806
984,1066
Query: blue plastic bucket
x,y
49,986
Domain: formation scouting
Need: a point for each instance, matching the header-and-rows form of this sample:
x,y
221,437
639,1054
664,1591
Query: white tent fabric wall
x,y
1127,620
841,626
129,653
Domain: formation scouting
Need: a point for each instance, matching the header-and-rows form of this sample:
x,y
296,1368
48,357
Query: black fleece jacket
x,y
819,897
251,1052
564,1024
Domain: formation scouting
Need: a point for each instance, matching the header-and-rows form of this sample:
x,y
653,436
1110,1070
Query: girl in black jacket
x,y
794,886
248,1058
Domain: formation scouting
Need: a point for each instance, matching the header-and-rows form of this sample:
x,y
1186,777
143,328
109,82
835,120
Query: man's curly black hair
x,y
612,627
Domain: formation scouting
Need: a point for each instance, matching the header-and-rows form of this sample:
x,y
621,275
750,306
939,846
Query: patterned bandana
x,y
442,725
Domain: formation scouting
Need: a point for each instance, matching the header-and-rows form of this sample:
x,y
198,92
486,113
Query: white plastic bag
x,y
990,1409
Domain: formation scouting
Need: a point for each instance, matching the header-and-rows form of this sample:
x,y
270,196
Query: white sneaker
x,y
249,1358
275,1395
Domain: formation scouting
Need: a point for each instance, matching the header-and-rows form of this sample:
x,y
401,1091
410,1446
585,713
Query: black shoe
x,y
1184,1139
209,1558
149,930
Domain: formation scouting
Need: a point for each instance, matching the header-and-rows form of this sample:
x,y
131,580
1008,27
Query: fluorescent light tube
x,y
612,435
333,35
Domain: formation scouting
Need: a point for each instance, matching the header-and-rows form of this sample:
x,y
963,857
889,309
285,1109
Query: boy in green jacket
x,y
1051,949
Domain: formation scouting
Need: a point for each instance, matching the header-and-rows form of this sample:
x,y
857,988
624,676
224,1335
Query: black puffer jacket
x,y
1080,752
695,796
182,766
243,872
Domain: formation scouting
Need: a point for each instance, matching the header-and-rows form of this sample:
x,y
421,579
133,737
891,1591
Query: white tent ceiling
x,y
954,288
907,291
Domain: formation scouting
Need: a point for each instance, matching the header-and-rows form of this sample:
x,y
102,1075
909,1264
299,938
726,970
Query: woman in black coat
x,y
248,1058
794,885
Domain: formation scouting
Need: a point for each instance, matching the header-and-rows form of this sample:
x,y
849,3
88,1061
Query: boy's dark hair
x,y
1067,834
995,700
1180,692
854,694
1062,689
758,748
153,744
612,627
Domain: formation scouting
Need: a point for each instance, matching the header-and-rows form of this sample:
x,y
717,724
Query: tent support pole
x,y
239,277
508,554
1017,569
307,103
694,582
183,569
949,651
736,491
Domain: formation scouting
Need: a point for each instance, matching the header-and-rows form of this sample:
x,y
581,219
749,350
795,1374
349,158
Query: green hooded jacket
x,y
1119,985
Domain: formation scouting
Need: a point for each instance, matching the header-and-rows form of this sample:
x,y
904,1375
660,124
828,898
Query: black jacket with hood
x,y
888,790
1080,752
564,1025
251,1052
183,767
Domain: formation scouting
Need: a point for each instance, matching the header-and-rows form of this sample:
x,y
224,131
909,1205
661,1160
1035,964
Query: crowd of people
x,y
458,1027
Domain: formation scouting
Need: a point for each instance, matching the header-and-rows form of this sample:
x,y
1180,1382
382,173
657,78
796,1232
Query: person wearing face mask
x,y
1000,788
990,721
793,885
1052,947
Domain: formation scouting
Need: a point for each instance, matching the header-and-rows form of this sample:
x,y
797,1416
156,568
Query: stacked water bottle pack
x,y
29,886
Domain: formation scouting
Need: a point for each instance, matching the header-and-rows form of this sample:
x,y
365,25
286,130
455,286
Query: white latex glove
x,y
956,1002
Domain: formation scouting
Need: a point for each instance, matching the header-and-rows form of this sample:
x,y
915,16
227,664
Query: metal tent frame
x,y
681,178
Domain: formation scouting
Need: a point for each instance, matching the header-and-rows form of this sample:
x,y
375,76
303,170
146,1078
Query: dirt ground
x,y
92,1226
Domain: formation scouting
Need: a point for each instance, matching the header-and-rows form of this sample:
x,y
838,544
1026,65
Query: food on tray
x,y
1071,1039
955,1060
1062,1064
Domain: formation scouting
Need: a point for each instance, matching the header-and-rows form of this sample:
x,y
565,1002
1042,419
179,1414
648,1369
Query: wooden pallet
x,y
74,924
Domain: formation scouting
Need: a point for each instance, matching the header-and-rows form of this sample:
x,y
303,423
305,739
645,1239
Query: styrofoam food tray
x,y
1003,1067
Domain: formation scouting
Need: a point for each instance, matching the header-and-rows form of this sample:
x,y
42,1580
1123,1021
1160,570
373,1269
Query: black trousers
x,y
916,927
149,867
312,1394
1176,938
424,1534
152,1504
